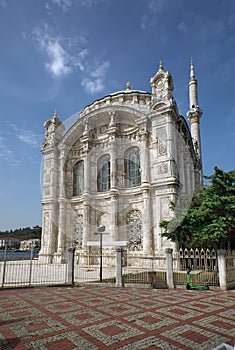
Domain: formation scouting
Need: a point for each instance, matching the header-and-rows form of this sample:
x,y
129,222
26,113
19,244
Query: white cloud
x,y
59,59
59,51
79,58
6,154
92,86
88,3
95,83
47,6
153,7
26,135
144,22
156,5
29,138
101,70
65,5
66,55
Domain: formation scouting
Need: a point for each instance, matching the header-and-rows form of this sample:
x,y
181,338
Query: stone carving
x,y
160,134
162,85
46,221
162,149
78,230
134,230
163,168
54,131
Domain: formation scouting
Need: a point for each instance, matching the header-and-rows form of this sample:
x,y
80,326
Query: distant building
x,y
10,242
125,160
29,243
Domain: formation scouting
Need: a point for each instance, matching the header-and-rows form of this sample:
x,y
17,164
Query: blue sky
x,y
64,54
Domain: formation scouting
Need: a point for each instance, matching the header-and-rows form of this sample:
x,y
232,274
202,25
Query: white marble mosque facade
x,y
124,161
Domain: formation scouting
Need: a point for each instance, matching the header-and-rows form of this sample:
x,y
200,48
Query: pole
x,y
101,231
4,264
31,264
101,267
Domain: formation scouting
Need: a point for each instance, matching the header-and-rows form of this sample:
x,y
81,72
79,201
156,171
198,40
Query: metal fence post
x,y
222,269
4,264
119,267
169,268
70,261
31,264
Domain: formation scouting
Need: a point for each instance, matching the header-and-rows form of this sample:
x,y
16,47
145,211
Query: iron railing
x,y
197,259
30,272
137,269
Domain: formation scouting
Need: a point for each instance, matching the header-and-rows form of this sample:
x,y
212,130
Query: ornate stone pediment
x,y
162,86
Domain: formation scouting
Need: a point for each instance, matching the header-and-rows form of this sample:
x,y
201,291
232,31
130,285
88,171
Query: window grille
x,y
134,230
78,231
78,178
132,167
103,178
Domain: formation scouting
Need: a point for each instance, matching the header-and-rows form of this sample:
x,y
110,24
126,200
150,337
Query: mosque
x,y
124,161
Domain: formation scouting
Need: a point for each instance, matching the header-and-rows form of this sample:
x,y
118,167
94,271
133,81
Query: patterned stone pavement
x,y
103,317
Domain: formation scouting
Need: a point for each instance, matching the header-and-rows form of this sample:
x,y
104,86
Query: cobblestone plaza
x,y
104,317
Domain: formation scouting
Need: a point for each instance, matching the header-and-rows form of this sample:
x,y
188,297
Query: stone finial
x,y
86,130
128,85
160,65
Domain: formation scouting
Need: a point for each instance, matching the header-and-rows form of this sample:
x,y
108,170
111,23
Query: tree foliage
x,y
23,233
210,220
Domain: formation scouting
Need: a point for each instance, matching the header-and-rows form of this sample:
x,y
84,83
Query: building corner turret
x,y
54,130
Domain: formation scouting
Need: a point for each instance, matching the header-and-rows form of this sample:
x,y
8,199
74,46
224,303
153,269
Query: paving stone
x,y
104,317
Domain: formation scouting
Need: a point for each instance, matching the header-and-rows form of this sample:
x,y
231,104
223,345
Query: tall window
x,y
103,174
78,178
132,167
134,230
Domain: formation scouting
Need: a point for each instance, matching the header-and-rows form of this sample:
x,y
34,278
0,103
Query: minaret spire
x,y
193,100
192,74
194,115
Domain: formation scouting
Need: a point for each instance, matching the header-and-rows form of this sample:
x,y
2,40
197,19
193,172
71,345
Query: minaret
x,y
194,115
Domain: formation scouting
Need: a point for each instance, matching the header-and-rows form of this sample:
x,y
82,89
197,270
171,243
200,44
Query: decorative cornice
x,y
130,97
194,115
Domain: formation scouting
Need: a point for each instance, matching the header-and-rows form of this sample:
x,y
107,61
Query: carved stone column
x,y
187,175
86,227
144,156
60,254
59,257
113,154
86,174
147,223
114,221
50,205
170,127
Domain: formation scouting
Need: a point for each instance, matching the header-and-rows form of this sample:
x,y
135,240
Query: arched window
x,y
103,174
78,178
132,167
134,230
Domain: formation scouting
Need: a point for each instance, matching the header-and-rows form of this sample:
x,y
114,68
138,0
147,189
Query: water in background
x,y
18,255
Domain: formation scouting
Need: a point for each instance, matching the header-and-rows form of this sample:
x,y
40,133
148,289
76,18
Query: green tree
x,y
210,220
